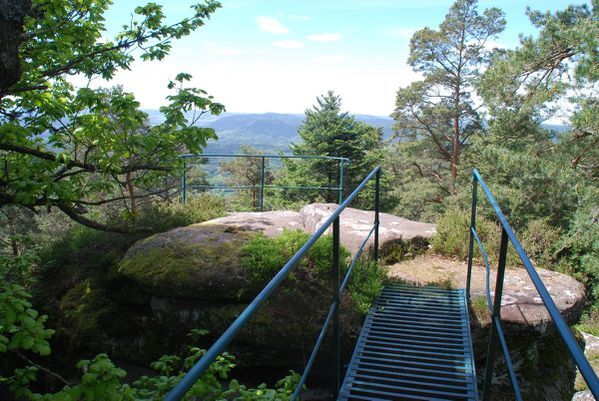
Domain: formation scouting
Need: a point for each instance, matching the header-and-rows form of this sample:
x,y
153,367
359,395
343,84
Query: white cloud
x,y
333,58
325,37
262,84
272,25
213,48
288,44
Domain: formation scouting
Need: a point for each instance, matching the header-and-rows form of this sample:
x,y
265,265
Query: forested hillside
x,y
270,132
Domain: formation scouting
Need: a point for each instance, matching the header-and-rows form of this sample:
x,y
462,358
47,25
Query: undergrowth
x,y
265,256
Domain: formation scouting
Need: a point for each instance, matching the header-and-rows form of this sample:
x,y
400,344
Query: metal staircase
x,y
415,345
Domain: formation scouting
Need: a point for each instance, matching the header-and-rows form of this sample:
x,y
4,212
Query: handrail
x,y
507,235
343,161
333,314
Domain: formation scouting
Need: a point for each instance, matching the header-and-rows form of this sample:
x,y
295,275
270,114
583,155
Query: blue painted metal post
x,y
183,186
336,323
377,210
496,314
471,244
262,184
341,165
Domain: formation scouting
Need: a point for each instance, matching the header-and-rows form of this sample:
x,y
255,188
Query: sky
x,y
258,56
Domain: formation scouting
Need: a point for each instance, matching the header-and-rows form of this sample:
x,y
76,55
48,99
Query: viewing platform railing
x,y
188,158
185,384
507,236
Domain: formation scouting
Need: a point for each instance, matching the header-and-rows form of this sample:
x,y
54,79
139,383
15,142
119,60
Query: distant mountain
x,y
273,132
270,132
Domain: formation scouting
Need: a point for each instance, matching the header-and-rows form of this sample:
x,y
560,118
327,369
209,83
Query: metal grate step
x,y
415,345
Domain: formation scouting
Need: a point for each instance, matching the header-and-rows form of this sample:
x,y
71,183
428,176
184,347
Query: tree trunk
x,y
456,120
15,247
12,14
131,190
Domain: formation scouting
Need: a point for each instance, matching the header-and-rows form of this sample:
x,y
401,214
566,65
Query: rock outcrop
x,y
195,277
195,262
355,224
520,304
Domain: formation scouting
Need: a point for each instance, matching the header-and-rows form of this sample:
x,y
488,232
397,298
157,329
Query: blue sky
x,y
278,55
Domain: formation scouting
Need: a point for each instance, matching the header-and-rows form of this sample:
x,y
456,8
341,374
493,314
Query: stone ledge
x,y
355,223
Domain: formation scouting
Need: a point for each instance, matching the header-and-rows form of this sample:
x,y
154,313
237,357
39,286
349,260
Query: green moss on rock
x,y
201,262
86,312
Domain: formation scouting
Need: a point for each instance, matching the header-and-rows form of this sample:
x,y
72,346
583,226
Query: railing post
x,y
377,210
471,244
496,315
341,167
262,184
336,328
183,184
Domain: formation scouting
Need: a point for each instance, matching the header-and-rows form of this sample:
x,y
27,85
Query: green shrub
x,y
589,323
398,249
366,283
166,215
577,251
539,240
264,257
452,236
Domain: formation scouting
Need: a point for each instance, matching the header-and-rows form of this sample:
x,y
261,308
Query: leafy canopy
x,y
67,147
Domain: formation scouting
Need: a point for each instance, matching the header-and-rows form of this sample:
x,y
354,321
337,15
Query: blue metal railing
x,y
507,236
343,161
333,313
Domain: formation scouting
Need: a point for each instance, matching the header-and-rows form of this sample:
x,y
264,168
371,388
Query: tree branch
x,y
69,211
43,369
75,163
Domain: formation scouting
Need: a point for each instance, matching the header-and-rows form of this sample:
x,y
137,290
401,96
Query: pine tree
x,y
327,131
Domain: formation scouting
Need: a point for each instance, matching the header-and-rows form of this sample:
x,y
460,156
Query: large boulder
x,y
544,368
196,262
354,223
195,278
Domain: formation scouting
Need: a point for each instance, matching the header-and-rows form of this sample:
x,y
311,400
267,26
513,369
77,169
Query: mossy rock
x,y
201,262
86,311
198,277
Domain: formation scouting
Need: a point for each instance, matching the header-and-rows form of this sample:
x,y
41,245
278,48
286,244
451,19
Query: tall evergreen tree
x,y
327,131
440,109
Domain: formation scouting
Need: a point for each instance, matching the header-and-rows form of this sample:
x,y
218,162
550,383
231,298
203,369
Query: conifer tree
x,y
327,131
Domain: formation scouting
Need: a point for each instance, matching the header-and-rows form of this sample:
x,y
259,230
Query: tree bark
x,y
131,190
12,15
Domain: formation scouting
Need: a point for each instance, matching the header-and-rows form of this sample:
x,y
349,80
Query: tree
x,y
441,109
559,67
74,148
247,171
327,131
542,175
